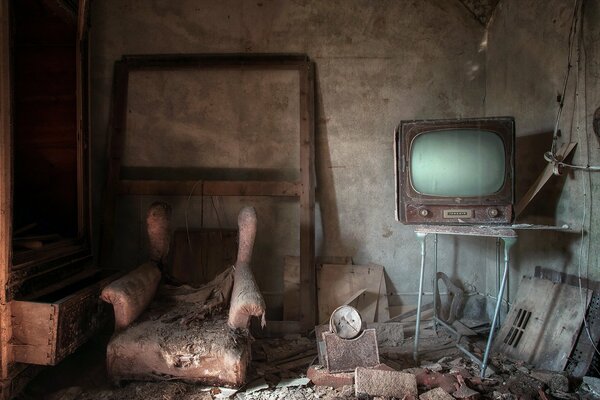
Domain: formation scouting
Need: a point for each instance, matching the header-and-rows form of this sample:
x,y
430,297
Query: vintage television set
x,y
455,171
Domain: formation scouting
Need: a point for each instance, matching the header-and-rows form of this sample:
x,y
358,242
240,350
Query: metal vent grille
x,y
518,327
584,360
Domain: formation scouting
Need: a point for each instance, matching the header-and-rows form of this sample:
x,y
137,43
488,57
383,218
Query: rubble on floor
x,y
279,372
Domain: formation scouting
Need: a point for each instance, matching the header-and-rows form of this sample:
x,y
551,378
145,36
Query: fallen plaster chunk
x,y
555,381
259,384
293,382
436,394
223,392
435,367
373,382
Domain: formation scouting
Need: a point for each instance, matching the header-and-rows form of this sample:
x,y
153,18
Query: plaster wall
x,y
525,69
377,63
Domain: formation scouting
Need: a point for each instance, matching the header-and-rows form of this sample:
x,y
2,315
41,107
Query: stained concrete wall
x,y
525,69
377,63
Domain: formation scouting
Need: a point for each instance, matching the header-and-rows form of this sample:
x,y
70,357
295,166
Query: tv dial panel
x,y
458,215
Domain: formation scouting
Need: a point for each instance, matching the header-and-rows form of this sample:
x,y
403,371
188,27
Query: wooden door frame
x,y
5,184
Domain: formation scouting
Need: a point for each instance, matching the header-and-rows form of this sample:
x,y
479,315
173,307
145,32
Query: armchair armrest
x,y
246,300
131,294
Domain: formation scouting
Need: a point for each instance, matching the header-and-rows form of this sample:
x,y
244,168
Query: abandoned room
x,y
299,199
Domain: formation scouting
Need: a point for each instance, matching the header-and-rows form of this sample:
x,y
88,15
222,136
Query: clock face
x,y
345,322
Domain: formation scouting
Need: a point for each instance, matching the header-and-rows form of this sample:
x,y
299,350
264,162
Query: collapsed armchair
x,y
181,332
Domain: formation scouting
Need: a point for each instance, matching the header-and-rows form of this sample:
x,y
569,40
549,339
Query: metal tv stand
x,y
502,233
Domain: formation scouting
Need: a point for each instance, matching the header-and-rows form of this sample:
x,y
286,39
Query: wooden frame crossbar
x,y
303,190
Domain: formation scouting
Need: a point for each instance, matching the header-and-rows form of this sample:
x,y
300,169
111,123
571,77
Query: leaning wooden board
x,y
543,323
291,282
337,283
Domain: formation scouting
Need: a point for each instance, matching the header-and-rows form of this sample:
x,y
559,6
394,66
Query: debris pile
x,y
279,372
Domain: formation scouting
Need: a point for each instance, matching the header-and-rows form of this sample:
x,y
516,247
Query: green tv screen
x,y
457,163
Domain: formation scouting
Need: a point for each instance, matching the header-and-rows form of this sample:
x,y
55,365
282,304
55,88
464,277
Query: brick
x,y
431,380
436,394
320,376
375,382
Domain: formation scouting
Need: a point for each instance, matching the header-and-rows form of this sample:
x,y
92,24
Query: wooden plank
x,y
209,188
291,288
117,124
337,283
291,282
82,101
543,323
383,307
308,294
411,313
354,297
223,60
5,185
562,153
34,333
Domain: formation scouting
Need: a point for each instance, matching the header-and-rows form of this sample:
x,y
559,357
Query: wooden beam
x,y
196,61
83,152
209,188
5,186
308,285
117,124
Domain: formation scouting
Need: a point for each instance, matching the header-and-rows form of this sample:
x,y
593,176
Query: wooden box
x,y
54,325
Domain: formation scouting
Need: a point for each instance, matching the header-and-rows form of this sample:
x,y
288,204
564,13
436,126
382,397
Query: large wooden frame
x,y
5,185
303,190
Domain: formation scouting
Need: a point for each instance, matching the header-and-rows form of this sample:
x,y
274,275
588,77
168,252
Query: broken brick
x,y
375,382
320,376
430,380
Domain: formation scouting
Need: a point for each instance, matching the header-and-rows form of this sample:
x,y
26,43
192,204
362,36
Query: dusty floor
x,y
83,377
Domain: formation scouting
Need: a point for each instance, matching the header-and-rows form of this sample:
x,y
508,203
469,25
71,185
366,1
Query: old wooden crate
x,y
49,328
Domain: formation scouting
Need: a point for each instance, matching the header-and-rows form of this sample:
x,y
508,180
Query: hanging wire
x,y
575,36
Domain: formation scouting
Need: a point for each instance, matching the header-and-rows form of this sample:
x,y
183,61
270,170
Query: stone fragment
x,y
555,381
436,394
433,367
374,382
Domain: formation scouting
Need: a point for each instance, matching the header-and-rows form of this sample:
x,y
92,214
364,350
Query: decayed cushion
x,y
131,294
167,343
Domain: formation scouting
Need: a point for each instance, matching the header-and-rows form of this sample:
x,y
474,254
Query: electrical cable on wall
x,y
576,36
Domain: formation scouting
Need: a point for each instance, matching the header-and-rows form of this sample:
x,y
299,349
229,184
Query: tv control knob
x,y
424,213
493,212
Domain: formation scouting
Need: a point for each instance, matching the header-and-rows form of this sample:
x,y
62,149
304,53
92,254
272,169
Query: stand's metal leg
x,y
435,281
508,243
421,237
498,269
